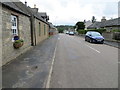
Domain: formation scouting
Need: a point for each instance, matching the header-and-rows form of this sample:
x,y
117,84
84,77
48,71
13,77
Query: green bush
x,y
97,30
117,30
19,41
82,31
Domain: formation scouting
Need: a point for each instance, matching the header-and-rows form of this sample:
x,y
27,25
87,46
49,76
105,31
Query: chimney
x,y
25,3
35,9
103,19
34,5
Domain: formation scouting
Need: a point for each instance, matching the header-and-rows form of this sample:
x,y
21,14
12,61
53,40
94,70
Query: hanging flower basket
x,y
18,43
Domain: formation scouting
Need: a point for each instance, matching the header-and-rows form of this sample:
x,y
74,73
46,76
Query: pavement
x,y
112,43
31,69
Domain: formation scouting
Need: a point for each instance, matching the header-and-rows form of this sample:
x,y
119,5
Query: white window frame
x,y
14,27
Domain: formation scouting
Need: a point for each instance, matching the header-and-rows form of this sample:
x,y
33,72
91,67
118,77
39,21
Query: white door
x,y
14,25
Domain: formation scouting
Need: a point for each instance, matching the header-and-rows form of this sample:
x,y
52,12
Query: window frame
x,y
39,29
14,26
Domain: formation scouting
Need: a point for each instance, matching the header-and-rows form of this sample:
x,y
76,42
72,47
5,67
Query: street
x,y
64,61
80,64
66,44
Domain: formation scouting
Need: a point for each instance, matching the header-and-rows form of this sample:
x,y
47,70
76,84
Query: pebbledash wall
x,y
24,31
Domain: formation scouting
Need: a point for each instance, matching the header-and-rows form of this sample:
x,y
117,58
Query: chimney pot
x,y
34,5
103,19
25,3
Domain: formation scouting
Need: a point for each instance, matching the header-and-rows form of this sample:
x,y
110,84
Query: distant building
x,y
95,25
87,23
109,25
53,30
103,19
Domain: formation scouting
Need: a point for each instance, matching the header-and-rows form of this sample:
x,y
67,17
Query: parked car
x,y
94,37
71,33
67,32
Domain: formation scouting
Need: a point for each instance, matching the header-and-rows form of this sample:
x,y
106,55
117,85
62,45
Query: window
x,y
44,29
39,29
14,25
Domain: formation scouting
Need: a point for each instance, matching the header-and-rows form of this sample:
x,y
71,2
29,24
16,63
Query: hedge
x,y
81,31
117,30
97,30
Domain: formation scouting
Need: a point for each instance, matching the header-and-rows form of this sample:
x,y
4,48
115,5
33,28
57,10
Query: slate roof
x,y
17,6
113,22
94,25
43,14
51,25
108,23
22,8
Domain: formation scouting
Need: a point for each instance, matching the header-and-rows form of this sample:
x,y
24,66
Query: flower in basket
x,y
18,43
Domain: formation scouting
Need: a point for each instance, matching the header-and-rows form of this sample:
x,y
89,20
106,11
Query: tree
x,y
60,30
80,26
93,19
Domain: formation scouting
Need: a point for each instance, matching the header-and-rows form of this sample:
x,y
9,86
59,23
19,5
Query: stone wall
x,y
108,29
40,35
108,36
8,51
0,35
111,36
0,46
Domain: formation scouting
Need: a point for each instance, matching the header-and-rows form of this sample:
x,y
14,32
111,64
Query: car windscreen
x,y
96,34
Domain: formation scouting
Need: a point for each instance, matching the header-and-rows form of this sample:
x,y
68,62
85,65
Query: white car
x,y
71,33
67,32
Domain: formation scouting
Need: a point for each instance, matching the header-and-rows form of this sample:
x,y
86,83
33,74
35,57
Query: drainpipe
x,y
34,31
32,40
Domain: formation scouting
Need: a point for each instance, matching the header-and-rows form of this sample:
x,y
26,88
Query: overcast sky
x,y
68,12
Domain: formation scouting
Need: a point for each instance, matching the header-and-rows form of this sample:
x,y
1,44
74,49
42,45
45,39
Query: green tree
x,y
80,26
60,30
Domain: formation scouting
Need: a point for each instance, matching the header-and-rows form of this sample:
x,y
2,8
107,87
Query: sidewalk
x,y
31,69
112,43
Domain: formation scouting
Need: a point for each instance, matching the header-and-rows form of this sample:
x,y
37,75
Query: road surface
x,y
80,64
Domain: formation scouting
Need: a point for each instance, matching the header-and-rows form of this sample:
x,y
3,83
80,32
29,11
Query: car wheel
x,y
90,40
102,42
85,39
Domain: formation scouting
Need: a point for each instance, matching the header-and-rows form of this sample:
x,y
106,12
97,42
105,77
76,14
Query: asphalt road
x,y
79,64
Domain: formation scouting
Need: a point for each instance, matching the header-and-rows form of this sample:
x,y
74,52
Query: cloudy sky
x,y
68,12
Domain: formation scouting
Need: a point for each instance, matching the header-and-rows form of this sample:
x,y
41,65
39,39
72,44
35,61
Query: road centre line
x,y
93,49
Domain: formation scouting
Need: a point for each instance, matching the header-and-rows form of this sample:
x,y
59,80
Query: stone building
x,y
53,30
87,23
39,25
109,25
24,22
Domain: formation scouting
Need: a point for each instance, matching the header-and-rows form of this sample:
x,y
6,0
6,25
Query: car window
x,y
96,34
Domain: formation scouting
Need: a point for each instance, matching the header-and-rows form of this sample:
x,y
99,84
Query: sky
x,y
69,12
